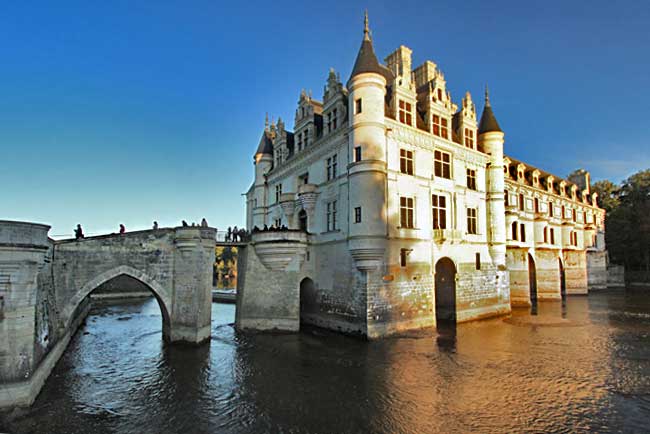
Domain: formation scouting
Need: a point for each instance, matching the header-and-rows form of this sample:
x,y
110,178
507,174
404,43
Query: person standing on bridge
x,y
204,223
122,228
229,234
155,225
235,233
78,233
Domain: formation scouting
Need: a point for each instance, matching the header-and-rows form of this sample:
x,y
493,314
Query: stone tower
x,y
490,141
263,164
367,148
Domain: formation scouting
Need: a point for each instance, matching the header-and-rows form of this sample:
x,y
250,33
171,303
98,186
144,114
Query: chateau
x,y
403,210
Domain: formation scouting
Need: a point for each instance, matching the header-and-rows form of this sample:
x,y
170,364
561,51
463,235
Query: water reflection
x,y
580,365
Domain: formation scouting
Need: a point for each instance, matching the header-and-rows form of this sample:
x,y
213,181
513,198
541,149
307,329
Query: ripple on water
x,y
579,367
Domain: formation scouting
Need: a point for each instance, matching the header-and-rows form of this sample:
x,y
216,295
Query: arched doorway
x,y
308,303
445,290
562,279
302,220
532,279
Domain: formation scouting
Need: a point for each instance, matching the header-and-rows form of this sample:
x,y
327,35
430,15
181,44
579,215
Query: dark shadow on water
x,y
446,338
533,308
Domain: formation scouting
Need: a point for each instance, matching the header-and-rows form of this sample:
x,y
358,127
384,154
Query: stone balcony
x,y
280,250
441,236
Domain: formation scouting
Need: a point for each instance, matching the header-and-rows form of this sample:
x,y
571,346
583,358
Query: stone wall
x,y
340,291
270,272
597,269
481,293
548,275
575,266
517,264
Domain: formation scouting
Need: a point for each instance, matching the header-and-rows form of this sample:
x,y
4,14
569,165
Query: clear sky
x,y
133,111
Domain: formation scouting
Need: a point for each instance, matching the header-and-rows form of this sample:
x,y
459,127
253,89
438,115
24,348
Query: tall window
x,y
505,199
545,235
278,192
472,221
471,179
331,216
552,236
574,215
403,253
521,201
536,205
522,230
440,126
331,167
357,106
469,138
439,209
406,161
357,214
357,153
442,164
278,223
406,212
331,121
405,112
550,209
515,230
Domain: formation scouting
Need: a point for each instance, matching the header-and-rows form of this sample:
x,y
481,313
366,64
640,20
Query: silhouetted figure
x,y
204,223
235,232
242,234
78,233
122,228
155,226
229,234
184,223
266,227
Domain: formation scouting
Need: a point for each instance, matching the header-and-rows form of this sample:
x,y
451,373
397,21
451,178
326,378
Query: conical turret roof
x,y
488,120
266,144
366,59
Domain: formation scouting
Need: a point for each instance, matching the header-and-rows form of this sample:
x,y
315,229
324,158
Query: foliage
x,y
628,225
225,267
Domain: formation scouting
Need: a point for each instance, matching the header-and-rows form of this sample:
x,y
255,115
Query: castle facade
x,y
402,210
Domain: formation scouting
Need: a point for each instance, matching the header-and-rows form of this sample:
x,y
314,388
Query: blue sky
x,y
134,111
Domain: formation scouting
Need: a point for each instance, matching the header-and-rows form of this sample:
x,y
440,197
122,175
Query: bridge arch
x,y
159,292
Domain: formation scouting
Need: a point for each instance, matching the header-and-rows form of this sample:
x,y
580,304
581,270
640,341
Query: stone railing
x,y
447,235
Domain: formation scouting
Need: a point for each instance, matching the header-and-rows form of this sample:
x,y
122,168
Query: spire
x,y
366,29
366,59
266,121
488,121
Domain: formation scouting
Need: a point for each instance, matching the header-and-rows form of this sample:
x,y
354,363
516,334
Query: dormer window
x,y
405,112
439,94
469,138
440,127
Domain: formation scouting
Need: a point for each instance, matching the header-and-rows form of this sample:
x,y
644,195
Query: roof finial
x,y
266,121
366,29
487,96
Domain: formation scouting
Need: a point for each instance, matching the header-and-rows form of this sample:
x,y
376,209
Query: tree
x,y
628,219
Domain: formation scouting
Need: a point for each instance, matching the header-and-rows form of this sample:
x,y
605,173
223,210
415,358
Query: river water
x,y
581,366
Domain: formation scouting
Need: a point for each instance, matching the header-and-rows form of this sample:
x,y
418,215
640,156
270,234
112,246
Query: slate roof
x,y
266,144
488,121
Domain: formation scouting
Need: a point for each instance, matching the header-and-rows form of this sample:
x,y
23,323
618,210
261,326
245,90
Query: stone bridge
x,y
44,288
